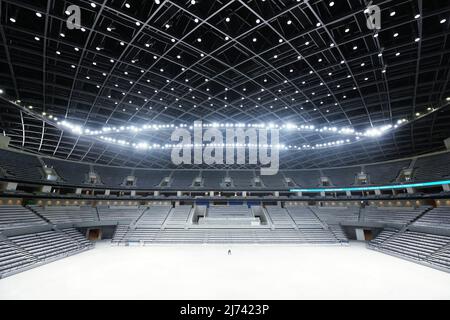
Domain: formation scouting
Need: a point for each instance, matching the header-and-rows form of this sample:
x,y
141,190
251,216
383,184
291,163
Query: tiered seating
x,y
436,218
229,211
441,257
119,214
275,181
305,178
18,216
20,166
242,179
432,168
149,178
336,215
183,179
213,179
67,214
304,217
72,173
154,217
112,177
342,176
338,232
48,244
178,217
226,216
386,173
426,168
393,215
13,257
382,237
120,233
24,251
253,236
280,217
78,237
414,245
124,234
319,236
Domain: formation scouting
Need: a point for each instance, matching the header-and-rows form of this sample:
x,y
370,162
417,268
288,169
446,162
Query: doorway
x,y
94,234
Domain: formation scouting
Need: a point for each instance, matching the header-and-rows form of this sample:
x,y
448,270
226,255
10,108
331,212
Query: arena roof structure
x,y
288,63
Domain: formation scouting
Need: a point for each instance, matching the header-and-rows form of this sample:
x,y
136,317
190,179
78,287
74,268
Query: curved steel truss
x,y
135,61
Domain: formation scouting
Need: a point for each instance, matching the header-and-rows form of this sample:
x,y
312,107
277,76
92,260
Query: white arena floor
x,y
207,272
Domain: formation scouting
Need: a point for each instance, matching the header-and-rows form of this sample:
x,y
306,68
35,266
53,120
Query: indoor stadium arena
x,y
224,149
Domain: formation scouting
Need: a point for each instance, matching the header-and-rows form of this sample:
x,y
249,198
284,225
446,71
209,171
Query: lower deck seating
x,y
125,235
436,218
229,211
119,214
333,215
338,232
77,236
229,216
67,214
13,258
24,251
280,217
441,258
45,245
304,217
18,216
178,217
393,215
422,247
383,236
154,217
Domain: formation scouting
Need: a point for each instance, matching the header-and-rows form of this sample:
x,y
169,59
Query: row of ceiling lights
x,y
199,39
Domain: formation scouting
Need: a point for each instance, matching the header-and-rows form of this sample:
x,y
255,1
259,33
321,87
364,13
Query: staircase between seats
x,y
39,215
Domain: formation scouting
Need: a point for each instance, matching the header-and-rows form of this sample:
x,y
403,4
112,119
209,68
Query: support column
x,y
244,193
133,193
299,194
179,193
276,194
78,191
446,187
348,193
107,192
378,192
211,194
156,193
360,235
322,193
